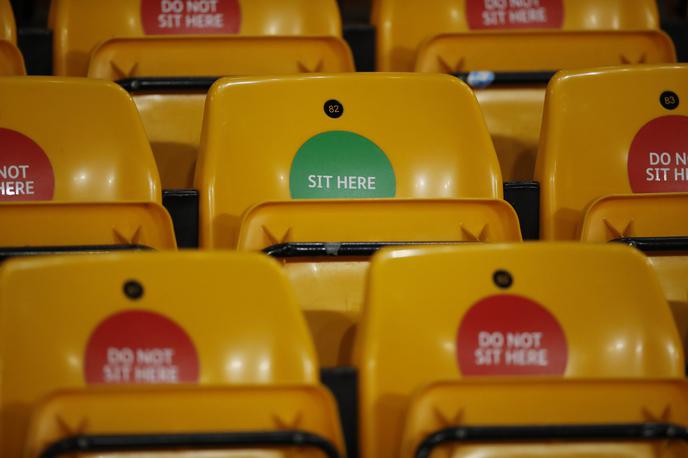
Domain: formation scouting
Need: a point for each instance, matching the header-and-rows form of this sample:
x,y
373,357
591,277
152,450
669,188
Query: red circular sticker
x,y
184,17
25,170
658,158
510,335
515,14
140,347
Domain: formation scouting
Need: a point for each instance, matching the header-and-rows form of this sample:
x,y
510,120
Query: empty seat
x,y
512,90
622,174
169,78
11,60
504,313
73,173
509,68
81,25
403,27
216,338
264,170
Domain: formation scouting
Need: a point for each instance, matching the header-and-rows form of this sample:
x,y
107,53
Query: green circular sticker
x,y
341,164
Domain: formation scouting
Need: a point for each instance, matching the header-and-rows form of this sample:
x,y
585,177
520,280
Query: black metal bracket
x,y
571,433
655,244
12,252
524,197
182,205
135,442
338,249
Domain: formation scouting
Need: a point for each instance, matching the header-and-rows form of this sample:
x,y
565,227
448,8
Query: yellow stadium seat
x,y
450,37
621,174
172,109
11,60
553,418
345,137
74,173
8,30
512,102
81,25
403,27
208,334
539,312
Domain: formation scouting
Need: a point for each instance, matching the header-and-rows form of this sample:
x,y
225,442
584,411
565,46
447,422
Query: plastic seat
x,y
403,28
517,57
73,174
11,60
169,78
636,144
179,344
482,318
511,93
81,25
311,180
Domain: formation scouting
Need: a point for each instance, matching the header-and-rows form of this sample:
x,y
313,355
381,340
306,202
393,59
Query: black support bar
x,y
168,84
484,79
12,252
570,433
655,244
338,249
160,442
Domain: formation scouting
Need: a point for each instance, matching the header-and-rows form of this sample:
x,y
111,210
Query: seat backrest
x,y
8,29
338,136
159,318
635,143
11,60
57,142
564,418
80,25
538,310
402,26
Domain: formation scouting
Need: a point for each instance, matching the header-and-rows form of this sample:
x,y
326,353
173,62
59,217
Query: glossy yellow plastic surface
x,y
330,290
541,51
402,26
219,56
11,60
237,309
8,29
513,117
583,158
417,298
552,402
80,25
97,154
429,127
513,114
188,410
173,120
81,224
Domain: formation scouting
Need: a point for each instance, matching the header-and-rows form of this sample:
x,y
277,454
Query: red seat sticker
x,y
188,17
510,335
25,170
515,14
658,157
138,346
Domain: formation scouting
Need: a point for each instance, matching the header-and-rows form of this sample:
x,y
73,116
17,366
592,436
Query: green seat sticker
x,y
341,165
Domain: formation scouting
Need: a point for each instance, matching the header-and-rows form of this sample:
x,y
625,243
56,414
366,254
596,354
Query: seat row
x,y
177,44
344,165
496,350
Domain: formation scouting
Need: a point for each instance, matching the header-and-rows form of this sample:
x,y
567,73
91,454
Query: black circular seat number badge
x,y
669,100
333,109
